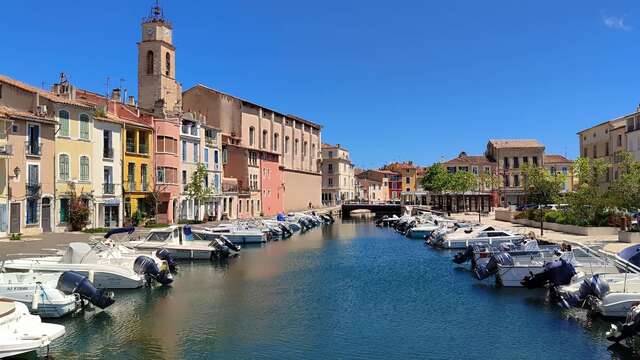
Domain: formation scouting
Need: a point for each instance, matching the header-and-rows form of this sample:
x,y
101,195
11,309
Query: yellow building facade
x,y
137,168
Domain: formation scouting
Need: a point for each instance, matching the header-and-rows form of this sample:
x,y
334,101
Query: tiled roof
x,y
516,143
556,159
117,111
468,160
400,166
44,93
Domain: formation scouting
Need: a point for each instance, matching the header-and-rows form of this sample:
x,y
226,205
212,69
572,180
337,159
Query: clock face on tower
x,y
149,32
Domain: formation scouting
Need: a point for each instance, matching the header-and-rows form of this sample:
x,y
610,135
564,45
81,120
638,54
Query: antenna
x,y
106,94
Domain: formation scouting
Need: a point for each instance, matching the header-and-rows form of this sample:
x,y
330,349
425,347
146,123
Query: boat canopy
x,y
631,254
77,253
129,230
281,217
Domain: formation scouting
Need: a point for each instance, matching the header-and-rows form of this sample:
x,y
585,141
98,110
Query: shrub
x,y
551,216
136,218
154,225
15,236
78,214
98,230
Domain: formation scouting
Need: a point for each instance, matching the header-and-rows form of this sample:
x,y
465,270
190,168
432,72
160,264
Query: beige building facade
x,y
257,129
338,181
604,141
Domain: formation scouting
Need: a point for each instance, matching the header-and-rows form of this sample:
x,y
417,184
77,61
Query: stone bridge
x,y
378,209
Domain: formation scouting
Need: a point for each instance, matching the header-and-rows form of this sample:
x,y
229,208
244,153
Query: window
x,y
286,144
85,123
475,170
252,134
131,141
167,70
149,62
107,148
143,148
505,162
206,157
215,157
184,150
184,177
225,156
63,167
295,147
196,153
525,159
275,141
264,139
165,144
565,171
330,181
606,149
552,170
84,168
595,151
160,175
253,158
516,180
330,168
330,154
33,140
506,180
408,180
516,162
63,119
64,210
131,176
143,177
619,139
534,160
32,211
305,149
584,152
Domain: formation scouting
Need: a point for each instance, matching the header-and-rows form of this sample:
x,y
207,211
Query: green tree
x,y
435,178
541,186
462,182
625,190
196,189
589,202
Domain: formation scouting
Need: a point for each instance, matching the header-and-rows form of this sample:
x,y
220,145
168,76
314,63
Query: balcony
x,y
107,153
108,188
211,141
33,148
32,189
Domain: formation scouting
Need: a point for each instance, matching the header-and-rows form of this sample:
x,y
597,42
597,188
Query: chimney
x,y
131,101
115,95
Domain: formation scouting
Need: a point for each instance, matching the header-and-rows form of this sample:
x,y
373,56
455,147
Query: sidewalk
x,y
609,242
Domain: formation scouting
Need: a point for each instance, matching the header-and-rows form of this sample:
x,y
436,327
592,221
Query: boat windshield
x,y
158,236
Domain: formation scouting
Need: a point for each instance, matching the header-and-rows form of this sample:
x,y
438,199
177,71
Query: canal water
x,y
347,291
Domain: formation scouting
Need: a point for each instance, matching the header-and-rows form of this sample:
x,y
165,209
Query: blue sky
x,y
418,80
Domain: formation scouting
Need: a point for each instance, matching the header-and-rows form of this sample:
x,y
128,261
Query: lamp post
x,y
539,193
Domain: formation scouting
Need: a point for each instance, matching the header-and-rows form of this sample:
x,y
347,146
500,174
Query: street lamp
x,y
539,193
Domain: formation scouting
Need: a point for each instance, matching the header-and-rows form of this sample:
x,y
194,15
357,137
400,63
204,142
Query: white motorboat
x,y
239,234
52,295
560,269
422,231
21,332
485,235
186,243
609,295
108,268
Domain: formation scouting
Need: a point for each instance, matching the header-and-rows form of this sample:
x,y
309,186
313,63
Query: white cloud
x,y
615,22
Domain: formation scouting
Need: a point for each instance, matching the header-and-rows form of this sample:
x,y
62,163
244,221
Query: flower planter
x,y
629,237
571,229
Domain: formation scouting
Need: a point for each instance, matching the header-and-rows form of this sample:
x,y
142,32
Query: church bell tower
x,y
156,64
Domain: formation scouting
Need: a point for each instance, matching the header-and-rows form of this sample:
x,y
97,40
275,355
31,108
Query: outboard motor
x,y
144,265
464,256
331,219
556,273
501,258
285,231
73,283
621,331
165,255
593,286
229,244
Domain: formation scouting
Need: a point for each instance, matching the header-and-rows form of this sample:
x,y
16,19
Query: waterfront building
x,y
374,185
106,170
408,180
28,116
338,182
212,159
191,145
137,169
510,156
632,135
249,132
73,154
604,141
560,165
395,185
161,95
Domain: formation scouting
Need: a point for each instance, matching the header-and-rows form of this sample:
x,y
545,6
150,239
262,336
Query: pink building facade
x,y
272,184
167,164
